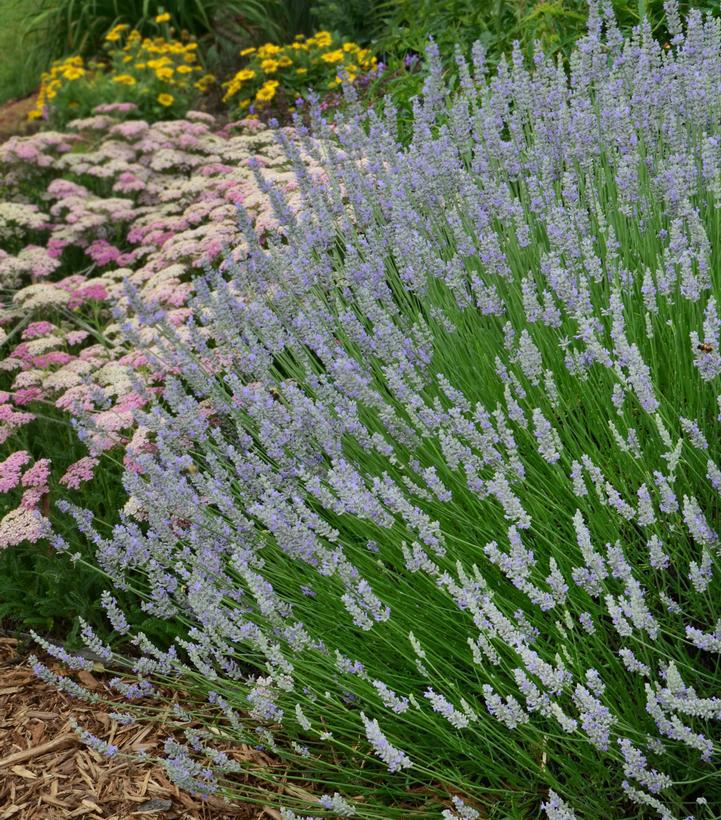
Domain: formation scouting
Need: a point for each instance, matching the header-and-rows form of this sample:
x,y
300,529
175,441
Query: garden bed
x,y
46,772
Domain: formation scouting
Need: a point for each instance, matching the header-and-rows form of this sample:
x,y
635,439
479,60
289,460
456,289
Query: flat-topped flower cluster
x,y
110,208
441,523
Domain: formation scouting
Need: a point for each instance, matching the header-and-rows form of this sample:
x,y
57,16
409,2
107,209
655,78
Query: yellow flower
x,y
322,39
184,69
140,66
247,51
332,56
35,114
269,66
166,99
301,71
347,47
116,33
124,79
73,73
245,74
164,74
285,61
265,94
204,82
163,18
268,50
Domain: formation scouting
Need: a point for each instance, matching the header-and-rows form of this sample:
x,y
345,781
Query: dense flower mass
x,y
433,483
114,208
161,75
271,71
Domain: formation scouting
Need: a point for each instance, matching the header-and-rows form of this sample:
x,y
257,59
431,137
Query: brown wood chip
x,y
151,806
61,742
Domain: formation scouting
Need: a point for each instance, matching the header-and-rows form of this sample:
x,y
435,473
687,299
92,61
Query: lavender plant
x,y
435,491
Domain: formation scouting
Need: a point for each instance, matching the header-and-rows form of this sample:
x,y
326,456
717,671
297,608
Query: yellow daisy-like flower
x,y
266,93
116,32
165,73
285,61
332,56
166,99
247,51
245,74
124,79
163,18
323,39
301,71
269,66
347,47
268,50
73,73
184,69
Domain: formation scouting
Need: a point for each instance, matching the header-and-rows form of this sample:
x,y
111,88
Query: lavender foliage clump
x,y
463,396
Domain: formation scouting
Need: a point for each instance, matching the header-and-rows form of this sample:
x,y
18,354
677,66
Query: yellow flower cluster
x,y
172,62
61,73
319,62
148,71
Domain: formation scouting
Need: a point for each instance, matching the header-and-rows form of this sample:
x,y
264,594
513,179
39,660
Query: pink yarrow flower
x,y
23,524
11,469
36,329
79,472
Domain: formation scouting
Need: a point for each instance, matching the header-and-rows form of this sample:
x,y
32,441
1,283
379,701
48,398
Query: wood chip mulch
x,y
46,773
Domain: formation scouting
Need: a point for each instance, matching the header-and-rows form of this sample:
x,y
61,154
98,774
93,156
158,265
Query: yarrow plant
x,y
160,75
433,486
286,73
110,208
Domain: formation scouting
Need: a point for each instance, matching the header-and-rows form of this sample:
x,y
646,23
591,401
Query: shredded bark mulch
x,y
46,773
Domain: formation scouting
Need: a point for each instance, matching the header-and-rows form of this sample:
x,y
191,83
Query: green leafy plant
x,y
160,75
284,73
55,28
